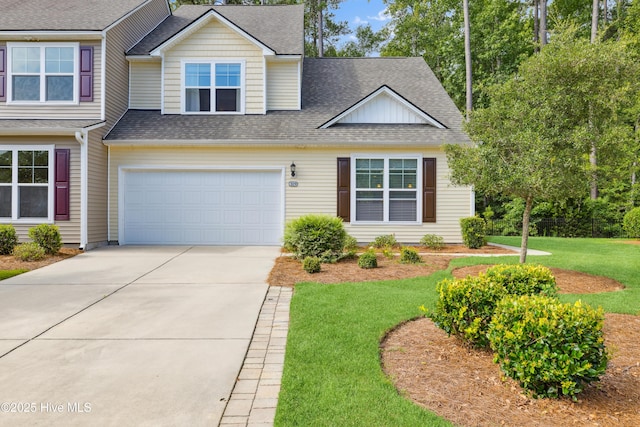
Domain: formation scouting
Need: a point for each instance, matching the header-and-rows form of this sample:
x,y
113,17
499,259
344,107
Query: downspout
x,y
82,137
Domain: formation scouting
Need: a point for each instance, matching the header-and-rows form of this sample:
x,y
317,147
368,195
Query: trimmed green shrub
x,y
311,264
474,230
8,239
465,306
385,241
47,236
350,248
432,241
350,243
631,223
409,256
29,251
552,349
523,279
368,260
315,235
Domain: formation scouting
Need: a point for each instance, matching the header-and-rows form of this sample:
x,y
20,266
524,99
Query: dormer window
x,y
213,87
43,72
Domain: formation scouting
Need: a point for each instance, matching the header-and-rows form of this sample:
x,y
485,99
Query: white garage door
x,y
202,207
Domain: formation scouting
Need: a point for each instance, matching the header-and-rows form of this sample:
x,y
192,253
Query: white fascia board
x,y
143,58
202,21
284,58
35,36
389,143
387,90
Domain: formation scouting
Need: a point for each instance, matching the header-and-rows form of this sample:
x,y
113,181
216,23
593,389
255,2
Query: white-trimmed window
x,y
43,72
386,189
26,183
213,87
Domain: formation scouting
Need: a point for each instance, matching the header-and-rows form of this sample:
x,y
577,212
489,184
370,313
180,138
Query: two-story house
x,y
125,122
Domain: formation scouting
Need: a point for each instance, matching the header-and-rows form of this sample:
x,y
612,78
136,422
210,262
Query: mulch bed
x,y
464,385
9,262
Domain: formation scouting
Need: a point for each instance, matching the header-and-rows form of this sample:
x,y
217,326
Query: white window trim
x,y
212,62
43,101
386,189
14,183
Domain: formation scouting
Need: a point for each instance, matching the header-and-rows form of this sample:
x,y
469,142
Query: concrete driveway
x,y
120,336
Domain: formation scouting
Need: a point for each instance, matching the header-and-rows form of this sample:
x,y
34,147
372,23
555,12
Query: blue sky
x,y
358,12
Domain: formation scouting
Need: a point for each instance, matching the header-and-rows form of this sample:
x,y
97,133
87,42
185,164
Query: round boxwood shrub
x,y
368,260
47,236
465,306
523,279
315,236
552,349
409,256
29,251
8,239
631,223
474,230
311,264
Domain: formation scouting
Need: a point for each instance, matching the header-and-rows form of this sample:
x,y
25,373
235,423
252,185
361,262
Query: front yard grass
x,y
5,274
332,374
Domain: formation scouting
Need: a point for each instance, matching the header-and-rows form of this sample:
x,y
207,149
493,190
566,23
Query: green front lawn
x,y
332,374
5,274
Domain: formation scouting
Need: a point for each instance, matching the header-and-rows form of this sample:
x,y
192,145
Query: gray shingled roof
x,y
330,86
60,15
279,27
12,126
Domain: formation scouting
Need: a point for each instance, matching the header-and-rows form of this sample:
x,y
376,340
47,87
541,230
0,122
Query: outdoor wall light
x,y
293,169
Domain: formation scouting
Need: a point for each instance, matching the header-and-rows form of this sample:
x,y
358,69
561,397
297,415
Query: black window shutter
x,y
344,188
3,73
86,74
429,190
62,172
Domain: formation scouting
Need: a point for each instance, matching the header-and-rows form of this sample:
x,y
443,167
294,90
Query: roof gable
x,y
200,23
383,106
263,23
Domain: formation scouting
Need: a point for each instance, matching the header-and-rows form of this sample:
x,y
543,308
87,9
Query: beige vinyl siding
x,y
146,85
119,39
81,110
316,177
97,190
283,85
70,230
215,41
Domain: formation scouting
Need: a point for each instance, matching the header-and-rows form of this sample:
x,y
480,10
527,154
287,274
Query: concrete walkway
x,y
130,336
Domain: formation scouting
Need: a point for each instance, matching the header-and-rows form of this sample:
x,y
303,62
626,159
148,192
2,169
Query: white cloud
x,y
359,21
382,16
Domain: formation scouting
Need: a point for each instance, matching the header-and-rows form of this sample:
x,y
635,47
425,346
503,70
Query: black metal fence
x,y
557,227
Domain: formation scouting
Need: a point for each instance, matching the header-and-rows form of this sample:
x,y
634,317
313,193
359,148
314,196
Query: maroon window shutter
x,y
86,73
62,184
344,188
3,73
429,190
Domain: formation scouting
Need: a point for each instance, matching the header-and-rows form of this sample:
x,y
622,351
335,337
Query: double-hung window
x,y
26,183
386,189
43,72
213,87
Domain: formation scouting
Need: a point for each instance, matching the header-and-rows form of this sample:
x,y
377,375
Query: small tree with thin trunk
x,y
518,151
534,139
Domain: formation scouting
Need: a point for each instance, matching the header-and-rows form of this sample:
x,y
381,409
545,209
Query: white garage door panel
x,y
202,207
